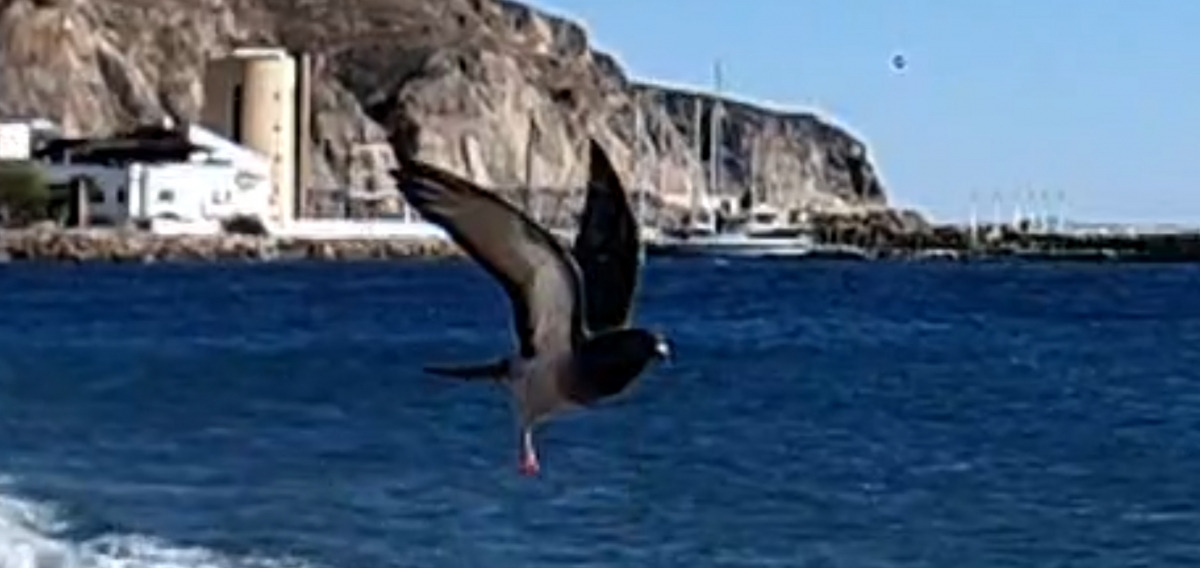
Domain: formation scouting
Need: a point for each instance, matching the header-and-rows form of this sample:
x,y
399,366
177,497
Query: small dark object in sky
x,y
899,62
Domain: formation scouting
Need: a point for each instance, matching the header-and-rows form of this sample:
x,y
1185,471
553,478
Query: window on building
x,y
235,123
122,196
166,196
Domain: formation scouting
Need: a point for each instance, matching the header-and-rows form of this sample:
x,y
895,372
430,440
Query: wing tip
x,y
600,167
494,370
416,179
594,147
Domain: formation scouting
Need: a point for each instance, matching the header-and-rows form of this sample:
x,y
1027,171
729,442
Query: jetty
x,y
954,242
51,244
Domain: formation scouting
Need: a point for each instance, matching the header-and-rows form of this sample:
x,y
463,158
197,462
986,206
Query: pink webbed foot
x,y
529,464
529,460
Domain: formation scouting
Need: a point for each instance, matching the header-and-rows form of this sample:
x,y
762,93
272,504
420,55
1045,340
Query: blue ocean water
x,y
817,414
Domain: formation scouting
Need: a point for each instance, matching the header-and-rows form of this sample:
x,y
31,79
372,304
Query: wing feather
x,y
540,277
607,247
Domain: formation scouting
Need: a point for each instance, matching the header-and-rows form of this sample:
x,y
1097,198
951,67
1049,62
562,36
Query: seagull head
x,y
625,352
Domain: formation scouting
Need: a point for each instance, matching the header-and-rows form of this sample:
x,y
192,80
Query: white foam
x,y
32,536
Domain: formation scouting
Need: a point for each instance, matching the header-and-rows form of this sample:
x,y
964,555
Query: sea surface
x,y
818,414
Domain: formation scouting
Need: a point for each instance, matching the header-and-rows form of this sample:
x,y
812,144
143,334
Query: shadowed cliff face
x,y
455,81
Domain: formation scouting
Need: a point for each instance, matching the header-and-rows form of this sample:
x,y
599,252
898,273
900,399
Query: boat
x,y
761,230
731,244
840,252
761,233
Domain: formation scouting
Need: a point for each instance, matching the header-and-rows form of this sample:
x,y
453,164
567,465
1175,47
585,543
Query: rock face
x,y
461,83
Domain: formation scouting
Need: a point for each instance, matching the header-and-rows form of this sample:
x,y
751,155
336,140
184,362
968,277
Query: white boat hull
x,y
731,245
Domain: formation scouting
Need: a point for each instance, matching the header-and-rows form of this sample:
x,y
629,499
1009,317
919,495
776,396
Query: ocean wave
x,y
36,534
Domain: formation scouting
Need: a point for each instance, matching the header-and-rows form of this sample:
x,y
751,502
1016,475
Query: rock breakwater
x,y
127,246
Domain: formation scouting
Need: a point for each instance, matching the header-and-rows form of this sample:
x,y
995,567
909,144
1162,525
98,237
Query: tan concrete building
x,y
261,99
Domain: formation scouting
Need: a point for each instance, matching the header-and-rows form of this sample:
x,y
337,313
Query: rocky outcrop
x,y
458,82
791,158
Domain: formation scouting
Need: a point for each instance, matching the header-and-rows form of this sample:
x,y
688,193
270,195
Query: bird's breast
x,y
536,389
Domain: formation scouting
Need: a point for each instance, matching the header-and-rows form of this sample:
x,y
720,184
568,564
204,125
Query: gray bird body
x,y
571,309
538,386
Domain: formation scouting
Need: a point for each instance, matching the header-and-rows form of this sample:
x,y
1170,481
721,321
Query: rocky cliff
x,y
459,82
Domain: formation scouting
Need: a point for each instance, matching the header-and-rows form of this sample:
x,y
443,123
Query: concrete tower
x,y
261,99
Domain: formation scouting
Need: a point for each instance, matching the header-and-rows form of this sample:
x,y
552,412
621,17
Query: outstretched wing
x,y
607,247
540,277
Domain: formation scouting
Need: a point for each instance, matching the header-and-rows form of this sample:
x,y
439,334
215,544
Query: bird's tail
x,y
495,370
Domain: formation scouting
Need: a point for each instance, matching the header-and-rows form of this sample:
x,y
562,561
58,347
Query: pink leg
x,y
529,460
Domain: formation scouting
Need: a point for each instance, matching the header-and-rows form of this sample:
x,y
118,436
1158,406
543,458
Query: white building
x,y
18,137
254,132
217,181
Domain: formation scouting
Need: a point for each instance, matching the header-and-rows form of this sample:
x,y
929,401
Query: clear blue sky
x,y
1097,98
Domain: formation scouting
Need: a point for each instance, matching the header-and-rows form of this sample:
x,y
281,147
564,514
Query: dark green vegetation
x,y
24,194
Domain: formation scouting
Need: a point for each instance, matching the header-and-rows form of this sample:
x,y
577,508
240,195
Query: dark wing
x,y
607,247
538,274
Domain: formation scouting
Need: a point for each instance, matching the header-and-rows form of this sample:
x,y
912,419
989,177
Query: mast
x,y
973,221
1060,218
996,211
1033,215
753,182
714,124
1018,214
694,194
638,127
1047,214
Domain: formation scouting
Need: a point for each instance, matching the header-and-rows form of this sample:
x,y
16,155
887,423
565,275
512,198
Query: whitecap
x,y
34,534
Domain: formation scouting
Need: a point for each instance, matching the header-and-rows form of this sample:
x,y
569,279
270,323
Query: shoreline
x,y
130,246
109,245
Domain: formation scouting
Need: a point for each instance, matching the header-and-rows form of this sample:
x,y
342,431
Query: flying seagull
x,y
571,309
